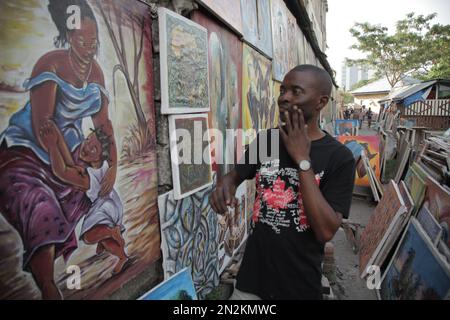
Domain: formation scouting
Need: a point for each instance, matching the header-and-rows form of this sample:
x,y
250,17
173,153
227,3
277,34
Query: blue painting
x,y
178,287
346,127
417,271
429,224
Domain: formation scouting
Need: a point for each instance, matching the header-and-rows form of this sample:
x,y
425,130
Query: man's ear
x,y
323,102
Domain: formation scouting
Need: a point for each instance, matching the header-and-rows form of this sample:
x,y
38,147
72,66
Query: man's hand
x,y
223,196
295,135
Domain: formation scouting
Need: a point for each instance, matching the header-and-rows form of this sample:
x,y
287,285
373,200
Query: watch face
x,y
305,165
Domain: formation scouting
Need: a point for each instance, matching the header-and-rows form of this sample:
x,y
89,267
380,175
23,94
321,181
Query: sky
x,y
342,14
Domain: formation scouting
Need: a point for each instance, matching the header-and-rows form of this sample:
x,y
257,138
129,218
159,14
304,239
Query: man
x,y
361,116
369,117
301,196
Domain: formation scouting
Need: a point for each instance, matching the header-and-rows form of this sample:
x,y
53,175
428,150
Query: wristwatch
x,y
304,165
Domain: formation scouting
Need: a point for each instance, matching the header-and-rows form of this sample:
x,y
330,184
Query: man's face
x,y
299,88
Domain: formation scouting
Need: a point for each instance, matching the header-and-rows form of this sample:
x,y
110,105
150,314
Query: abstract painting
x,y
384,225
105,96
417,271
190,153
178,287
280,39
257,29
232,228
184,64
259,94
189,233
228,11
371,145
225,76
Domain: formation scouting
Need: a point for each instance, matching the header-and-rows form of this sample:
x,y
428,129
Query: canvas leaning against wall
x,y
102,126
184,64
189,238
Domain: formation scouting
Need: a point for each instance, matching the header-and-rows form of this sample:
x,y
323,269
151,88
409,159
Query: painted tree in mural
x,y
121,15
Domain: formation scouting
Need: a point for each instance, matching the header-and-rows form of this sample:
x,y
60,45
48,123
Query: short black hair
x,y
105,141
58,12
325,84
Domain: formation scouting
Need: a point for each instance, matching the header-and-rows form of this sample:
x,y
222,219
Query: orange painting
x,y
371,145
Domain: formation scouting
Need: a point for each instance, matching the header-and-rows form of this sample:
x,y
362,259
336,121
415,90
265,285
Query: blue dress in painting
x,y
42,208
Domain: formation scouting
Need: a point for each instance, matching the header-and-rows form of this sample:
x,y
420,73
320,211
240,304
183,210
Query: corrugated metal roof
x,y
382,86
404,92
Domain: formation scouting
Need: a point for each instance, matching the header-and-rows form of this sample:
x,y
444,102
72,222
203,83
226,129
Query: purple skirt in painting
x,y
42,208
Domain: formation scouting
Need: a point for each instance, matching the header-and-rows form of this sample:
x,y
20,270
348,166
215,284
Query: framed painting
x,y
189,238
346,127
384,224
178,287
256,25
184,64
93,103
417,271
190,153
429,224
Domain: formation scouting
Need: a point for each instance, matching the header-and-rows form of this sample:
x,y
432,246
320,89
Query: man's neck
x,y
314,132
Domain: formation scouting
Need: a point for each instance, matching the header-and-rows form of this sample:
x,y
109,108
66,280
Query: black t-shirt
x,y
282,259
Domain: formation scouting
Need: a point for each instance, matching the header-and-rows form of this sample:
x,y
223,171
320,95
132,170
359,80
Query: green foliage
x,y
346,97
417,48
362,83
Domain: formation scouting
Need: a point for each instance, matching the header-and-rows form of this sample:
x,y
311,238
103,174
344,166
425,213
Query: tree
x,y
346,97
416,48
362,83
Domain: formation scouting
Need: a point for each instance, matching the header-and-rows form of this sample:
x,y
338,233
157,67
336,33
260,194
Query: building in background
x,y
352,74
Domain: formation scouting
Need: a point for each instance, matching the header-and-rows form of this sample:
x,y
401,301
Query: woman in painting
x,y
66,85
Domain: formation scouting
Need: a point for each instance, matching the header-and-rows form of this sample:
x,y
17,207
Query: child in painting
x,y
103,222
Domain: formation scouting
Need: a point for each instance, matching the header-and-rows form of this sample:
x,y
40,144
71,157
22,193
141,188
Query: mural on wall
x,y
78,179
257,29
225,72
232,228
280,39
184,64
259,94
417,271
180,286
189,229
190,155
371,145
228,11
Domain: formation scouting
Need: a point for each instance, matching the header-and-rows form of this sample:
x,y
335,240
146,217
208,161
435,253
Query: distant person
x,y
369,117
361,116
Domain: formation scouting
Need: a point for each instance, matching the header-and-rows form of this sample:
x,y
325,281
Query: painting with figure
x,y
371,145
228,11
232,228
280,39
183,48
80,173
178,287
225,74
256,26
258,110
190,153
417,271
189,238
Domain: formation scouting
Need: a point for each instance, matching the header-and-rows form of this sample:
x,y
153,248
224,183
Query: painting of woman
x,y
65,86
